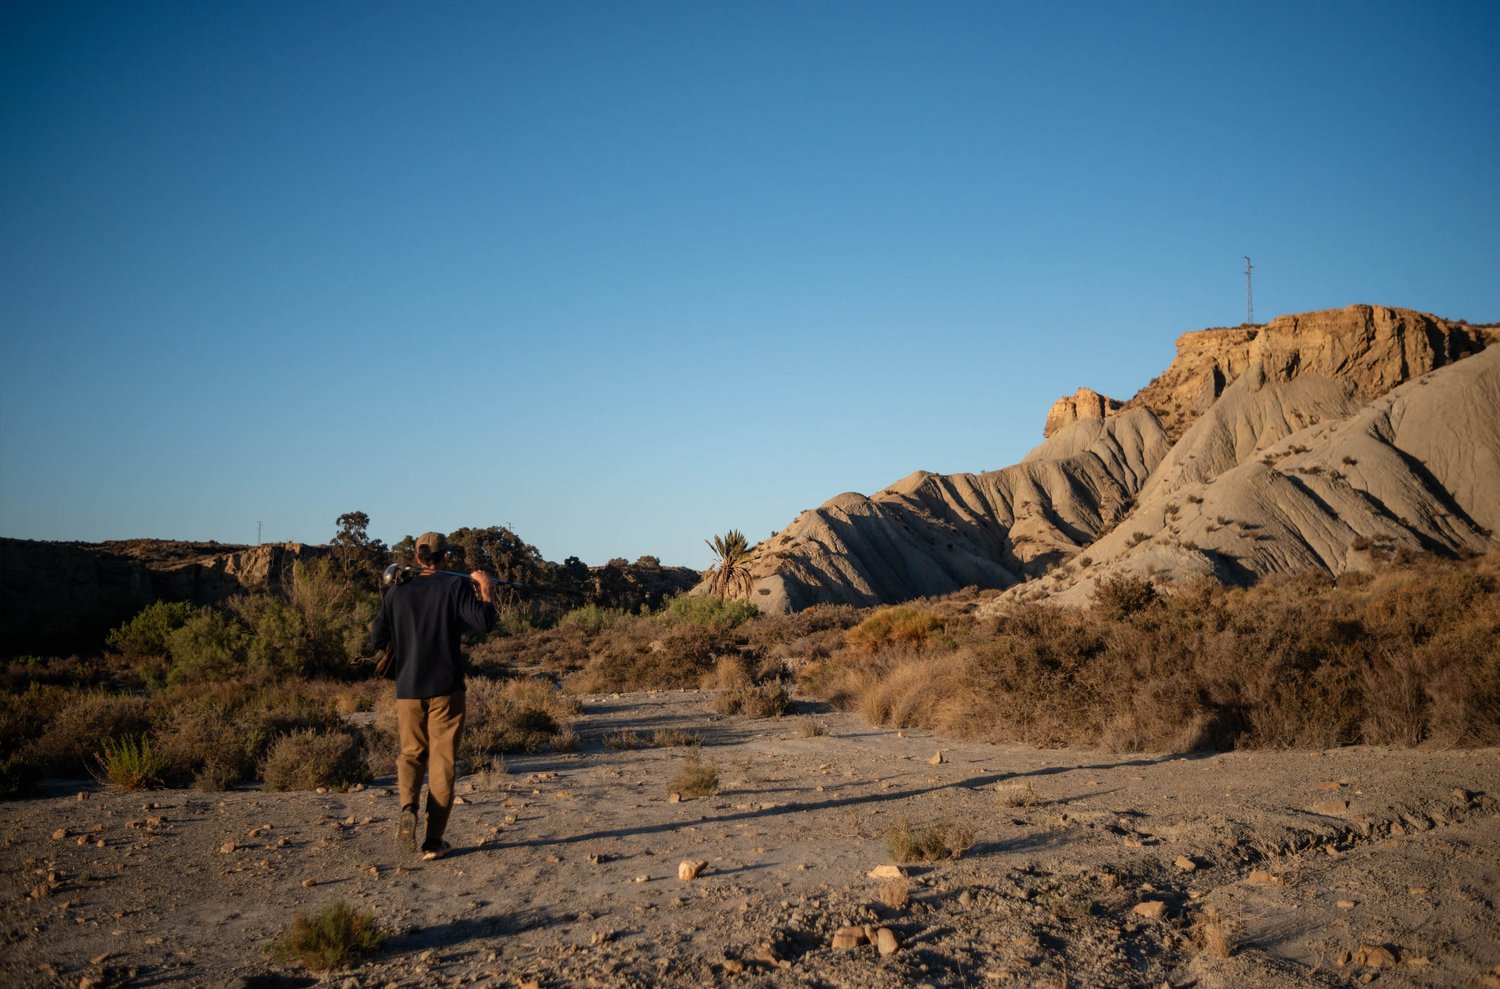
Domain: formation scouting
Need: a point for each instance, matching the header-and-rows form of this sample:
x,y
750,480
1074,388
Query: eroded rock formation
x,y
1315,441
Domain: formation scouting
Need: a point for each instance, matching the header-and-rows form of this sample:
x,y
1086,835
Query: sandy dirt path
x,y
1334,868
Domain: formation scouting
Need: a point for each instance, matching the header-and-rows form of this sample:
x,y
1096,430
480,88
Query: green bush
x,y
592,619
146,635
209,646
709,611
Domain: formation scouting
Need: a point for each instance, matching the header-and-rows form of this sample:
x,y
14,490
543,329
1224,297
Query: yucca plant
x,y
730,574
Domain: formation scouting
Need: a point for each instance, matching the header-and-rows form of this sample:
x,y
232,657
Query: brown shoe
x,y
406,830
433,850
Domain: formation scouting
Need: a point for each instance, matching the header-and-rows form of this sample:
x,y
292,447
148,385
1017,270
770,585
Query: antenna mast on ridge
x,y
1249,298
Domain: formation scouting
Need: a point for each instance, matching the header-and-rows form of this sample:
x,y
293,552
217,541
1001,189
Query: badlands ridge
x,y
1318,441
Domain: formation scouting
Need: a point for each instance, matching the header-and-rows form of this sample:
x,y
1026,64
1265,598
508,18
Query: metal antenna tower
x,y
257,533
1249,298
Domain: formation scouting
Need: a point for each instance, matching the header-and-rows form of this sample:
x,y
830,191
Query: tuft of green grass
x,y
131,764
334,937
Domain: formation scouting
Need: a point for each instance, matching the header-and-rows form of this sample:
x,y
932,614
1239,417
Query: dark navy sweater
x,y
424,621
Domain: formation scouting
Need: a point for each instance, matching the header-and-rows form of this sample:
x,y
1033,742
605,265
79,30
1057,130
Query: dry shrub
x,y
333,938
217,735
729,673
514,716
697,778
79,729
927,843
1408,657
307,759
901,625
768,700
668,656
788,642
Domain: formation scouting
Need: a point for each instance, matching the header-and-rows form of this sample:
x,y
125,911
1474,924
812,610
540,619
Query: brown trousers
x,y
429,730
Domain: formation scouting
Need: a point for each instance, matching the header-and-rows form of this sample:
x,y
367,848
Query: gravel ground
x,y
1271,869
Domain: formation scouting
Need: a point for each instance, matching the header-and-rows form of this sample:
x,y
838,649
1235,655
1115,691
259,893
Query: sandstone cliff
x,y
1314,441
57,598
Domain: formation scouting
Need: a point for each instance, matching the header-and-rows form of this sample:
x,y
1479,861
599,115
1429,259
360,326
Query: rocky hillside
x,y
1319,440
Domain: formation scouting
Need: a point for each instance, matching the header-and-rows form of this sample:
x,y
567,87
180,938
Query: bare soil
x,y
1323,868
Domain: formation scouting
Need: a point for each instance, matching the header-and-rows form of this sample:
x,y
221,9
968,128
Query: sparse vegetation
x,y
333,938
697,778
1408,654
927,843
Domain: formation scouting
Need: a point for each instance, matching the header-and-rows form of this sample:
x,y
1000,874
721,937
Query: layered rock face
x,y
1318,440
58,598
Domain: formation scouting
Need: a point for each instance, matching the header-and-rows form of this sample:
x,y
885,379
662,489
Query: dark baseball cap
x,y
435,543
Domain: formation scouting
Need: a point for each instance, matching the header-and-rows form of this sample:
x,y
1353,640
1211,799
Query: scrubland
x,y
1238,757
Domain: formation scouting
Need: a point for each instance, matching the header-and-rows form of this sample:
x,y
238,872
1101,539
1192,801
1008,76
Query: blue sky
x,y
623,276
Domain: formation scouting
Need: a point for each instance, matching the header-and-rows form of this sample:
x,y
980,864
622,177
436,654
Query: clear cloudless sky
x,y
625,275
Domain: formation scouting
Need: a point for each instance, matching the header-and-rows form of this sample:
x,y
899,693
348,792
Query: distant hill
x,y
1317,441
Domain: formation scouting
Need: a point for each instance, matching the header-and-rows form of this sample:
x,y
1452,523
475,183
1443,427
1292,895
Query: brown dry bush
x,y
786,643
307,759
78,728
929,842
513,716
216,735
697,778
767,700
677,658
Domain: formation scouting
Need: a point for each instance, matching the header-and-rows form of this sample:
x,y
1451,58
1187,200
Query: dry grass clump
x,y
333,938
1022,794
661,738
307,759
697,778
927,843
666,738
1215,934
729,673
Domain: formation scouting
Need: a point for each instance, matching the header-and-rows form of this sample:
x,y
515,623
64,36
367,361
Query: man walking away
x,y
423,620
